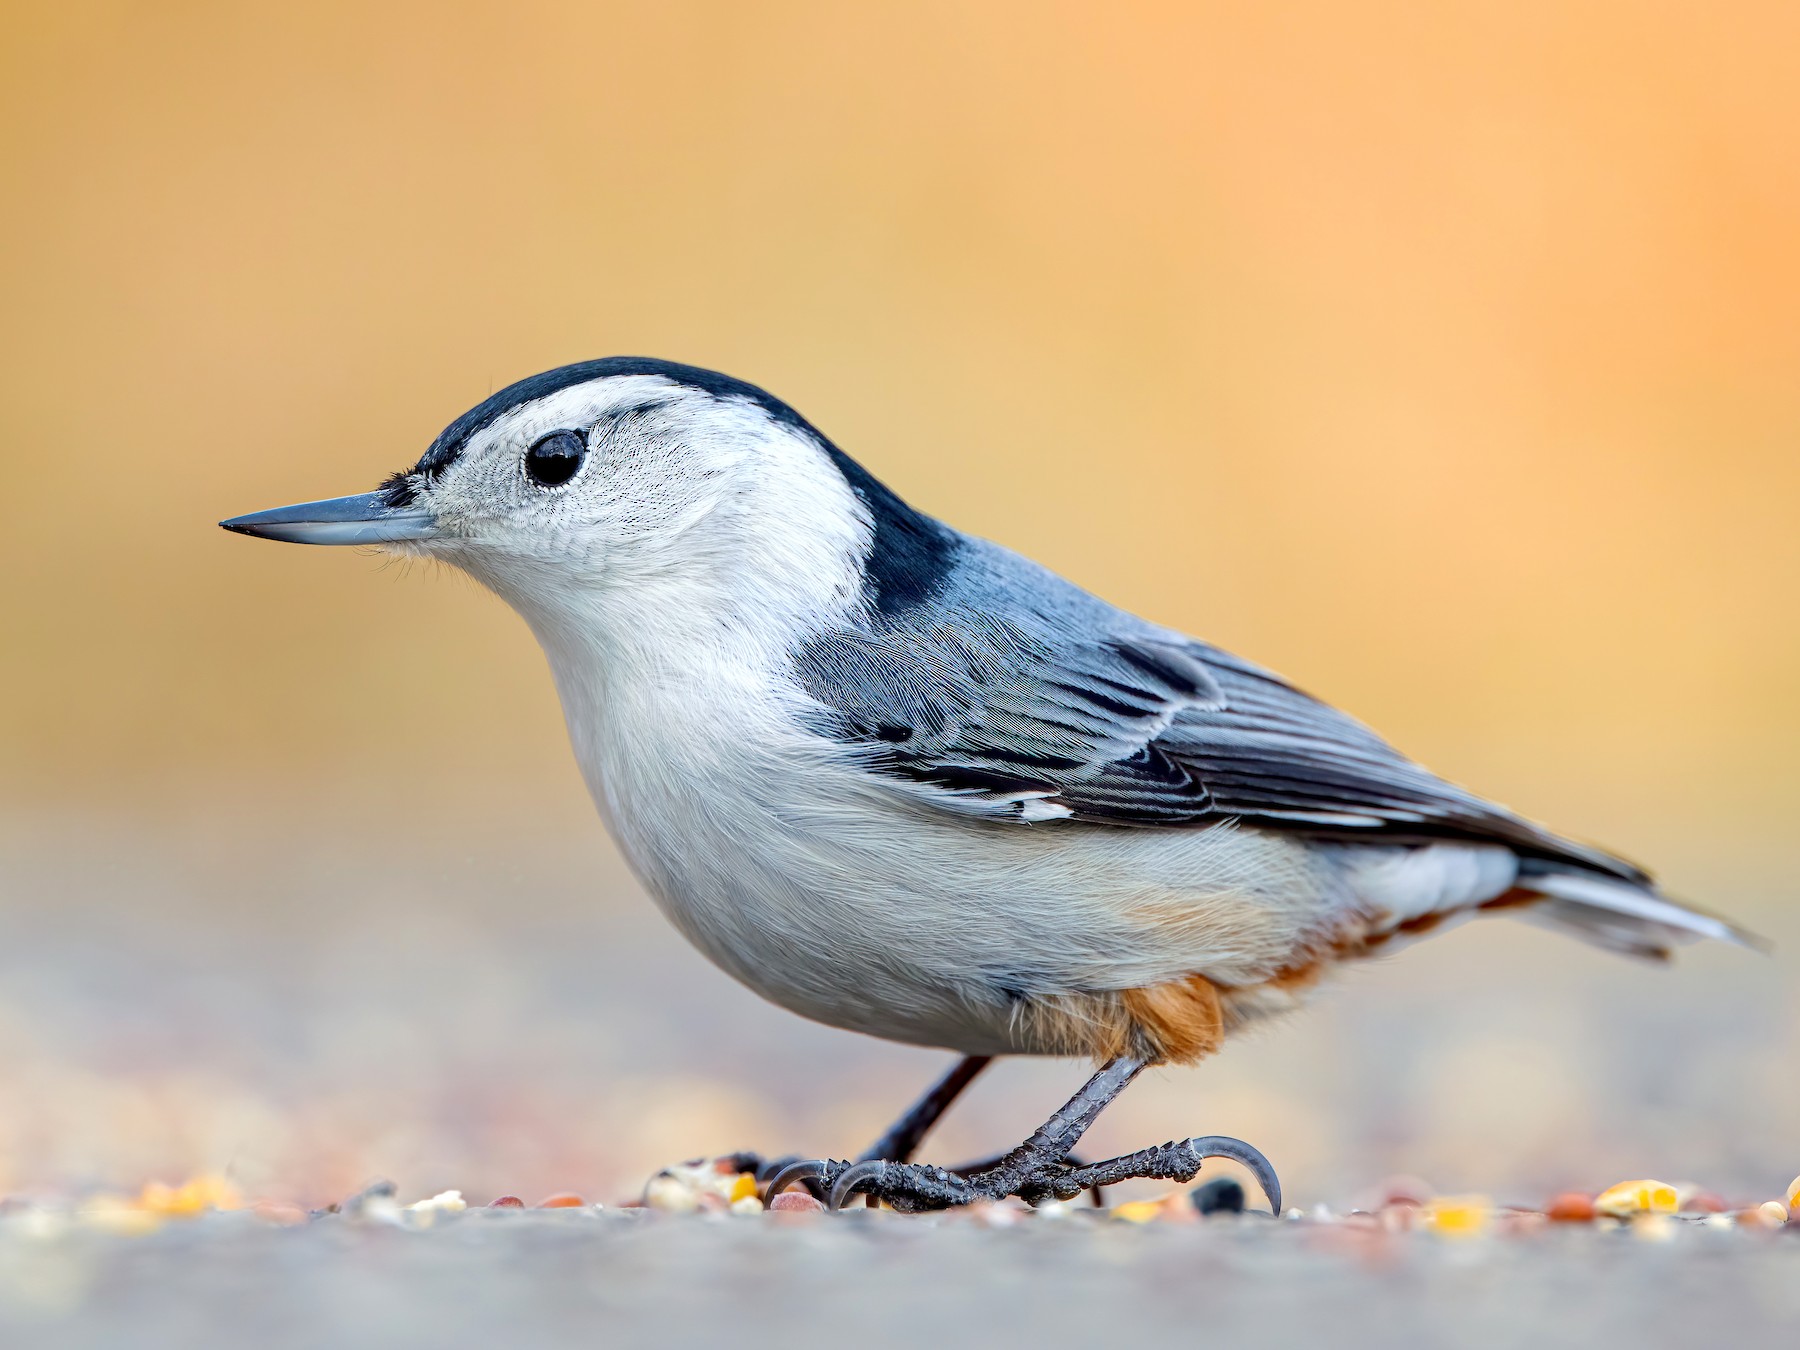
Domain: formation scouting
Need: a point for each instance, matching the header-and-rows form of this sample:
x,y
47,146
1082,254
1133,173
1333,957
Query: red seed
x,y
507,1202
798,1202
1405,1191
1571,1207
561,1200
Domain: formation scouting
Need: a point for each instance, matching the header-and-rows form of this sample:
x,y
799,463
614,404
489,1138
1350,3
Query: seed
x,y
1572,1207
1459,1216
1770,1214
1637,1197
1221,1195
1138,1211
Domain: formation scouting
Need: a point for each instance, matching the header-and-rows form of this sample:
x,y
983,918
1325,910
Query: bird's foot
x,y
915,1187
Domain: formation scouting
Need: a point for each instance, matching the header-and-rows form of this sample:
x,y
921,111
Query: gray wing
x,y
1016,708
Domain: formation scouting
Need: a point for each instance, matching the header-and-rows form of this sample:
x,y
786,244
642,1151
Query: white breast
x,y
834,896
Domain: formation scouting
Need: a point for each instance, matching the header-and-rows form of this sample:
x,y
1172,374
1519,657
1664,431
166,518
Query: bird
x,y
906,782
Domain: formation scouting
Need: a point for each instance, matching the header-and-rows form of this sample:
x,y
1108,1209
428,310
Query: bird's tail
x,y
1622,916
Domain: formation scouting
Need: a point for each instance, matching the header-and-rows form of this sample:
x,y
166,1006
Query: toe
x,y
867,1175
1223,1146
807,1170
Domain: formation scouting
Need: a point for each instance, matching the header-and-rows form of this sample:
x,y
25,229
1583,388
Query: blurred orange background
x,y
1445,358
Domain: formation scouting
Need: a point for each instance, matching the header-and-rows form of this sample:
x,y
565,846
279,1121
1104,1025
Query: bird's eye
x,y
553,459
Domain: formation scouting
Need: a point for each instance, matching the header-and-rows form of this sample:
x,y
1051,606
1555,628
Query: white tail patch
x,y
1623,917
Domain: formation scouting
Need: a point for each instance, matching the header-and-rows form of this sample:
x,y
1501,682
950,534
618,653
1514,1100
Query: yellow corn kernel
x,y
744,1188
192,1197
156,1198
211,1192
1793,1194
1138,1211
1638,1197
1458,1216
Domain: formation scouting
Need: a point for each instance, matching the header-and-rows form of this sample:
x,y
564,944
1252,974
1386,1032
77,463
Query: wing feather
x,y
1079,711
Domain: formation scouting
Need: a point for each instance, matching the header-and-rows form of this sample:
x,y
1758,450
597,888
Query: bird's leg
x,y
1038,1169
897,1143
905,1135
909,1186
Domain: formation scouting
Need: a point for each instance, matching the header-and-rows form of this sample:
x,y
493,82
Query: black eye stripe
x,y
554,459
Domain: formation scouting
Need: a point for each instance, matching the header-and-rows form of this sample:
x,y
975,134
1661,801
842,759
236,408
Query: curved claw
x,y
854,1179
1223,1146
810,1169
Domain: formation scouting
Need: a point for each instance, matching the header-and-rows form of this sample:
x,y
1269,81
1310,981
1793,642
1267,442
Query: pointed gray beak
x,y
362,519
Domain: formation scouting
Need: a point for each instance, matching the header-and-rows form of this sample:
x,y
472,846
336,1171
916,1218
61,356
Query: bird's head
x,y
628,491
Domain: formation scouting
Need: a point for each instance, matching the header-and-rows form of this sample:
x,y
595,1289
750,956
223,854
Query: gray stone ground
x,y
512,1017
871,1280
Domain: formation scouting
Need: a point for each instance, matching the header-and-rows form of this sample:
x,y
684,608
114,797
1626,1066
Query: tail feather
x,y
1621,916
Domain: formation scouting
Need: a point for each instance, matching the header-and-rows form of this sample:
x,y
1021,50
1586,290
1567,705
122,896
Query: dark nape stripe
x,y
912,553
911,558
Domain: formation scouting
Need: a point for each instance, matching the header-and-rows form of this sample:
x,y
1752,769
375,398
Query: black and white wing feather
x,y
980,683
1016,709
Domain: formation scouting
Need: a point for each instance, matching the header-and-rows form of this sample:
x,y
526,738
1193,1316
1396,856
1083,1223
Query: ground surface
x,y
617,1277
504,1018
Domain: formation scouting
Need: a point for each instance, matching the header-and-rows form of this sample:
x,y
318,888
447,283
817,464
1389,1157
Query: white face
x,y
634,500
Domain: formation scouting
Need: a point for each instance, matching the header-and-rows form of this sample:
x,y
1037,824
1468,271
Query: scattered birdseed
x,y
796,1202
1758,1216
1221,1195
715,1186
1648,1209
1638,1197
444,1202
1138,1211
1458,1216
190,1198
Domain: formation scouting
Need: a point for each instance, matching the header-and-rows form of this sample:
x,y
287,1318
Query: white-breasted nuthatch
x,y
906,782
